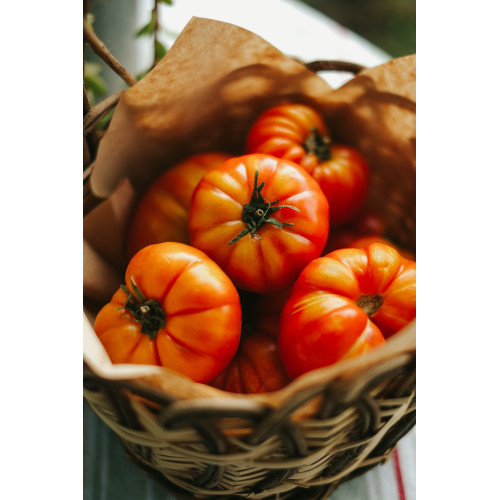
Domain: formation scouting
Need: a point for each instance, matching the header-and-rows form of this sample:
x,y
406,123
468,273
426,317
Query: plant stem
x,y
91,119
101,50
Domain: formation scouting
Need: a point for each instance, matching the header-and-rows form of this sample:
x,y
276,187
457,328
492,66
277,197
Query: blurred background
x,y
389,24
133,36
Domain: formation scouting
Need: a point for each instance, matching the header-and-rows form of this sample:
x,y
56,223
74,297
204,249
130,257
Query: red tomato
x,y
344,304
282,131
261,219
162,212
298,133
177,309
256,368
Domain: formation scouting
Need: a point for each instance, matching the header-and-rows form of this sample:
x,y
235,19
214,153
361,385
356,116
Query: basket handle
x,y
334,65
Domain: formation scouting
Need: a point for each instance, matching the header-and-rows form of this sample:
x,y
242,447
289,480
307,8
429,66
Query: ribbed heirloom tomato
x,y
298,133
344,304
162,212
261,219
177,309
257,365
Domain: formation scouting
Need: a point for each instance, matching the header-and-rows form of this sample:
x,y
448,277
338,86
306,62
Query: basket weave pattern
x,y
214,447
238,446
326,432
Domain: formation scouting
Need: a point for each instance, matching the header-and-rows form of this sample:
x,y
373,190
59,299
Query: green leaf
x,y
93,80
96,84
105,120
149,28
168,2
90,18
160,50
141,75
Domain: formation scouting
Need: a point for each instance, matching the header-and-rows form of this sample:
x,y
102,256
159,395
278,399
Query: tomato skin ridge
x,y
397,274
214,186
175,279
194,310
190,348
116,330
244,356
155,347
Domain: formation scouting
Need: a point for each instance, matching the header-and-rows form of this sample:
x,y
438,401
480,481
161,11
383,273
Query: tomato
x,y
257,366
161,214
346,303
282,131
298,133
261,219
177,309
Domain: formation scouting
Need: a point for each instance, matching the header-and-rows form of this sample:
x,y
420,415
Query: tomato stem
x,y
258,211
370,303
318,145
147,311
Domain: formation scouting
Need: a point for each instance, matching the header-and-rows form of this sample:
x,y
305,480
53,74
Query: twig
x,y
334,66
101,50
90,139
93,116
86,100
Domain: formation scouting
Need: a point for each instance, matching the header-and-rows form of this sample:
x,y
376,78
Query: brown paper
x,y
204,95
100,280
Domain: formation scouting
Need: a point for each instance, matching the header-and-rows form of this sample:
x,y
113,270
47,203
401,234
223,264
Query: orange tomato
x,y
257,366
261,219
344,304
162,212
177,309
297,132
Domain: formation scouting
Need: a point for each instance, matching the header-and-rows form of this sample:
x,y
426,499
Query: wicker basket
x,y
300,442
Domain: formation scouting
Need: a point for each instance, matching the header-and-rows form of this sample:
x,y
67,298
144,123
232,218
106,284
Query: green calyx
x,y
147,311
258,211
318,145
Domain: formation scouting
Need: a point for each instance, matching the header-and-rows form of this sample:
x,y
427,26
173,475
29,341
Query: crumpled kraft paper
x,y
203,96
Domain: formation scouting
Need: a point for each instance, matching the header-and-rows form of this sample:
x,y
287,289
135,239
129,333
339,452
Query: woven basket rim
x,y
396,351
